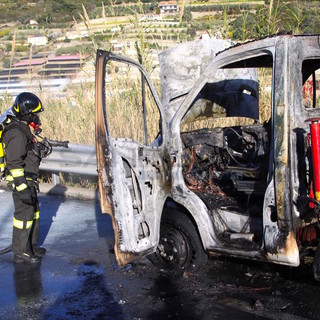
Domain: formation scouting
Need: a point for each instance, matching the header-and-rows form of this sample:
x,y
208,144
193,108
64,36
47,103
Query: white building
x,y
37,40
169,7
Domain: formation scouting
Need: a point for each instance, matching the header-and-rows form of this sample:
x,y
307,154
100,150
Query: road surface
x,y
79,279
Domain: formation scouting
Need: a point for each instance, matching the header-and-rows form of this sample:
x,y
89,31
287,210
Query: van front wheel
x,y
180,246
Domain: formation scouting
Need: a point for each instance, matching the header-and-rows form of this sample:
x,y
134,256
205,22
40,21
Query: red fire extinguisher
x,y
315,152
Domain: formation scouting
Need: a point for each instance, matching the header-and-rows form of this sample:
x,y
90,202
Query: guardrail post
x,y
55,179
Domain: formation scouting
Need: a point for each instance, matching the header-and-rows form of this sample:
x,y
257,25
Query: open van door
x,y
131,161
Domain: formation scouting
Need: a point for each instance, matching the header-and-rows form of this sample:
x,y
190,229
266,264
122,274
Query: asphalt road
x,y
79,279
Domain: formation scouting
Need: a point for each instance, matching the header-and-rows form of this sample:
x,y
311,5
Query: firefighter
x,y
22,166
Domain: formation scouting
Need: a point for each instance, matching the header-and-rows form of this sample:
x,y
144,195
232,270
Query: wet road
x,y
70,282
78,278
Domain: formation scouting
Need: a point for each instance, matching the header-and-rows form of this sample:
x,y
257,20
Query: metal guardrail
x,y
76,159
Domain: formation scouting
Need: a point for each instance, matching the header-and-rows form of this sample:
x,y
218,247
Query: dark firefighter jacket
x,y
21,153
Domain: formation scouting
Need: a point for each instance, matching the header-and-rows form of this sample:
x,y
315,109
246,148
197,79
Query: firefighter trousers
x,y
26,224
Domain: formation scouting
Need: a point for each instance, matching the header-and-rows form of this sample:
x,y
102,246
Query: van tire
x,y
180,246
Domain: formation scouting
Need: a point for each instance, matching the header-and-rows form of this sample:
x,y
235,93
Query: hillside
x,y
48,47
31,30
50,12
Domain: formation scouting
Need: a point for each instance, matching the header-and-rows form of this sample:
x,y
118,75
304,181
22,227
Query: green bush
x,y
4,32
6,63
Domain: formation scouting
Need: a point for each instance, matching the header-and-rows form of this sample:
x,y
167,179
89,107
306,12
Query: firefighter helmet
x,y
26,103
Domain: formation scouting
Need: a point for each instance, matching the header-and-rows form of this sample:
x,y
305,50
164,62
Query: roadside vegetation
x,y
69,119
106,22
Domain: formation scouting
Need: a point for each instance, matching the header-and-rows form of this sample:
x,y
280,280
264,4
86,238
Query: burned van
x,y
227,161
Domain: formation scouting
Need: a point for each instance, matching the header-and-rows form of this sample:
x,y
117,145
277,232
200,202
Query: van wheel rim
x,y
173,248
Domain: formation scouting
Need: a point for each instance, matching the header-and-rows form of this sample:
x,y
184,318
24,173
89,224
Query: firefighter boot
x,y
39,251
26,258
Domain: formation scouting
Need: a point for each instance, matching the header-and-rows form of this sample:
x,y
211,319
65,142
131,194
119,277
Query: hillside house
x,y
169,7
37,40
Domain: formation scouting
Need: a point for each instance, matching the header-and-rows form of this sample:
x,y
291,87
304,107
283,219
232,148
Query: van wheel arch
x,y
180,245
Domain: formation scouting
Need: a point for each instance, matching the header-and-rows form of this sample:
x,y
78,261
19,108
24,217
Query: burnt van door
x,y
130,161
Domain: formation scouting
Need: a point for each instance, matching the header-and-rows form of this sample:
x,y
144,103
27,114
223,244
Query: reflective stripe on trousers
x,y
19,224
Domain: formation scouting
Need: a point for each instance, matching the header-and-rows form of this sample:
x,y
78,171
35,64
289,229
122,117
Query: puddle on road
x,y
88,299
59,290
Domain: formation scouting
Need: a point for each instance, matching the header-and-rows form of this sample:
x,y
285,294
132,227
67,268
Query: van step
x,y
242,236
240,240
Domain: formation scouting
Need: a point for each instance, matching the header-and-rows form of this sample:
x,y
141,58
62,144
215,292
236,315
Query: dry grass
x,y
70,118
125,102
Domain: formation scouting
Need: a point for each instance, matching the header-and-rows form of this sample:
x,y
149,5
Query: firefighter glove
x,y
26,196
20,184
